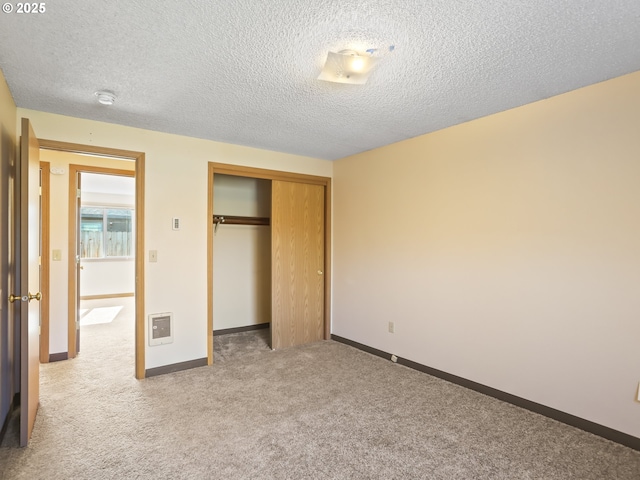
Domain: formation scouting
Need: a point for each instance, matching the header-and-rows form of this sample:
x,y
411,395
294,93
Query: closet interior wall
x,y
241,253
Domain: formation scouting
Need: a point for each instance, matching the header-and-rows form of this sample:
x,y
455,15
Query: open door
x,y
27,276
297,263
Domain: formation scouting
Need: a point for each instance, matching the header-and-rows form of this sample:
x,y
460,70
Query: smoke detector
x,y
106,98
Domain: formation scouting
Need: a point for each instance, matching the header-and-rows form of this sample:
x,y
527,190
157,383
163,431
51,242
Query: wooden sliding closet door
x,y
297,263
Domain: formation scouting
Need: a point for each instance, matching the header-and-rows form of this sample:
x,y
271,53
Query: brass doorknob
x,y
14,298
37,296
319,272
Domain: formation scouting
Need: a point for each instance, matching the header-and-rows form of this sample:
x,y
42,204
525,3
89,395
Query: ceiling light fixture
x,y
106,98
347,66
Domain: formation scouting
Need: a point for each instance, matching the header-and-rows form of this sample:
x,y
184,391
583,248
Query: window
x,y
106,232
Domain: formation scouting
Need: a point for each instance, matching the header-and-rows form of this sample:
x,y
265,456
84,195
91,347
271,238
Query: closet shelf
x,y
236,220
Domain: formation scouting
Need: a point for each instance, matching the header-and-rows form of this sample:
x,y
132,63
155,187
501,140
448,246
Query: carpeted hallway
x,y
320,411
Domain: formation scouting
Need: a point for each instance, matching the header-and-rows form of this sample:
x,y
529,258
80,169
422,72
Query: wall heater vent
x,y
160,329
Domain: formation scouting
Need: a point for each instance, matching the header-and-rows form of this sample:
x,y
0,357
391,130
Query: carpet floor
x,y
320,411
241,345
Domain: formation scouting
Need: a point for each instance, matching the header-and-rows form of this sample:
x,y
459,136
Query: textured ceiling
x,y
245,71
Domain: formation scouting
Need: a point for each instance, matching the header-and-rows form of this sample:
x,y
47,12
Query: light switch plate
x,y
153,256
56,255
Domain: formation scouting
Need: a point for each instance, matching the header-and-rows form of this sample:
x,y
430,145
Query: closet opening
x,y
268,259
241,266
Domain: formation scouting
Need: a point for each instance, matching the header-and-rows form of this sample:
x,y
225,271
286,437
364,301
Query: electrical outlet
x,y
392,327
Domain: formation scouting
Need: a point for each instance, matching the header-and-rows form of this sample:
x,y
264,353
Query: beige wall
x,y
175,186
241,276
7,159
59,239
506,250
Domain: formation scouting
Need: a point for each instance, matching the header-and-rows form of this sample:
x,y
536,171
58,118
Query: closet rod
x,y
236,220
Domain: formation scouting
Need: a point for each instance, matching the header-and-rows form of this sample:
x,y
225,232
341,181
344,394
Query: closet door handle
x,y
319,272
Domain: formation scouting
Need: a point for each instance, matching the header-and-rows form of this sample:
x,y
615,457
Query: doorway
x,y
67,255
242,266
105,233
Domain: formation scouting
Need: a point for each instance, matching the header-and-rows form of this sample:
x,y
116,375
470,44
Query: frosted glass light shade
x,y
347,68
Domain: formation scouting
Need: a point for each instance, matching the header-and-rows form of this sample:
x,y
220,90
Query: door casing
x,y
45,172
241,171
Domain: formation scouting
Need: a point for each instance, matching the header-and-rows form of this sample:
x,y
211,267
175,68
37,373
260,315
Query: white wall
x,y
241,196
242,276
175,186
107,276
241,254
59,240
506,250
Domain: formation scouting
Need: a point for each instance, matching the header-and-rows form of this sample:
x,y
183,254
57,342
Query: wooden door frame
x,y
45,215
139,159
261,173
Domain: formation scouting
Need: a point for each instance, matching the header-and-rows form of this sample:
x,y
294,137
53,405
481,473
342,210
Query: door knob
x,y
37,296
16,298
319,272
